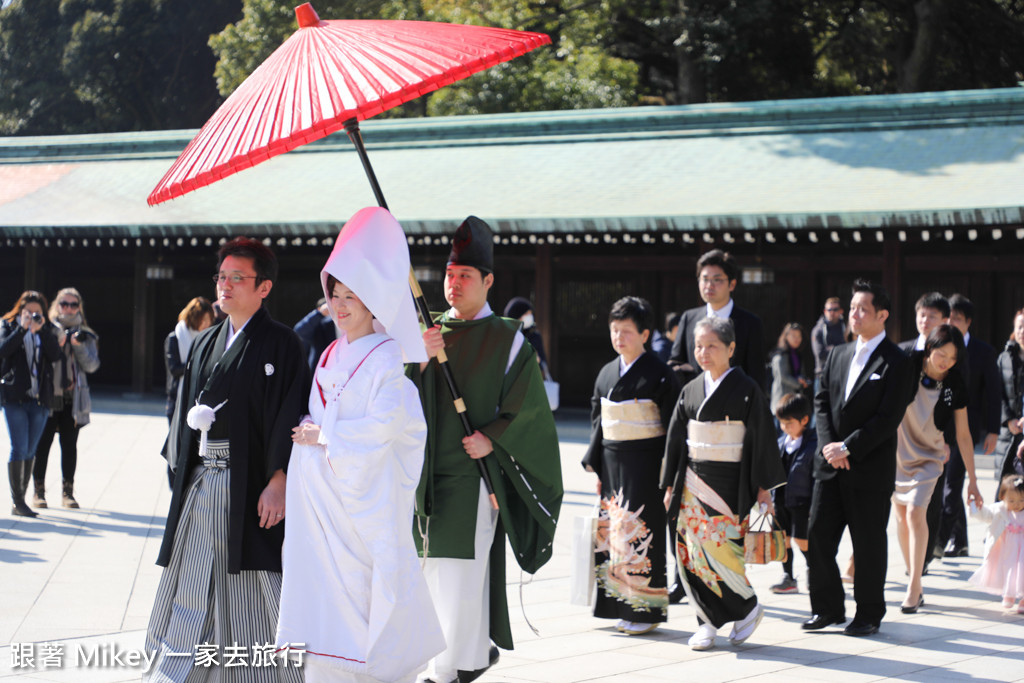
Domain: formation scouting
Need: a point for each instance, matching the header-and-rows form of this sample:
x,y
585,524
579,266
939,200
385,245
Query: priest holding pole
x,y
457,531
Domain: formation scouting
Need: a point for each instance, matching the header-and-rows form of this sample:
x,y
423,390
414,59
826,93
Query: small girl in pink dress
x,y
1002,571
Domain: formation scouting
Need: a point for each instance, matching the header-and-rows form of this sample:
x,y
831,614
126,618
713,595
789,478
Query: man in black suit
x,y
717,274
930,311
983,386
864,392
317,331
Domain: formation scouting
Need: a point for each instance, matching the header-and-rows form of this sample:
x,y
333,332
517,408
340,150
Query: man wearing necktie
x,y
717,276
864,392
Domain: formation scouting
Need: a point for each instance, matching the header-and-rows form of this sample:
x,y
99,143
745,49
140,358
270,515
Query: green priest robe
x,y
511,409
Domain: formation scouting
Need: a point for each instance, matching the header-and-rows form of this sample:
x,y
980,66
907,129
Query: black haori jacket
x,y
267,395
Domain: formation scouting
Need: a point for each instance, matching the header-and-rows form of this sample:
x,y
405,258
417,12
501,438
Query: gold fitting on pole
x,y
414,284
460,405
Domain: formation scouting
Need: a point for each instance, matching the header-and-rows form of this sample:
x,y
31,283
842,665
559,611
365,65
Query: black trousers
x,y
61,422
953,521
835,505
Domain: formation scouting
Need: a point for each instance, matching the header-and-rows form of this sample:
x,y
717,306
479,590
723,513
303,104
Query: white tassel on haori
x,y
202,417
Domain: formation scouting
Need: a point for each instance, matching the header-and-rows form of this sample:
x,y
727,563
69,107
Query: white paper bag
x,y
582,580
551,388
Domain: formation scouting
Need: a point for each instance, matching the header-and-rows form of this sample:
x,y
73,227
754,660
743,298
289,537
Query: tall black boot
x,y
16,477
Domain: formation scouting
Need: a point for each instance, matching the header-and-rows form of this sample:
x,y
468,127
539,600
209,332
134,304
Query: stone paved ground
x,y
85,579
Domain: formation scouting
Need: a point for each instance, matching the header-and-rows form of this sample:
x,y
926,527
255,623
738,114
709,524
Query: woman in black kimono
x,y
720,458
633,400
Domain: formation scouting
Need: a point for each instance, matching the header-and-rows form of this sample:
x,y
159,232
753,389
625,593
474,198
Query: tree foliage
x,y
69,66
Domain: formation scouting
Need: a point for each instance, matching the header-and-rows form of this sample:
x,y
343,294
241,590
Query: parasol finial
x,y
306,15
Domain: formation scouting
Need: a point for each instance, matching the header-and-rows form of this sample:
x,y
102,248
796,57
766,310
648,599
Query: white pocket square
x,y
874,375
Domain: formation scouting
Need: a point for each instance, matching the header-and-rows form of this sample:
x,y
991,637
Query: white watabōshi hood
x,y
371,257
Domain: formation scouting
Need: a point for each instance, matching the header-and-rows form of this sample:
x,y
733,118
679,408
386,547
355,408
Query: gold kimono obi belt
x,y
631,420
715,441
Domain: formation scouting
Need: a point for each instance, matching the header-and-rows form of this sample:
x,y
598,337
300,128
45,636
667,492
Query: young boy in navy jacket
x,y
793,503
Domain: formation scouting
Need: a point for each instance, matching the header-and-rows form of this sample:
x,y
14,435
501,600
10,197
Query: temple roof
x,y
933,160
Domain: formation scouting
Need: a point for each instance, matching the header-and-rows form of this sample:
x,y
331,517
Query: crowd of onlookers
x,y
46,354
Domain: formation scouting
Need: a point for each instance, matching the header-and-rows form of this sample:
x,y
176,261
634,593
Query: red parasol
x,y
329,75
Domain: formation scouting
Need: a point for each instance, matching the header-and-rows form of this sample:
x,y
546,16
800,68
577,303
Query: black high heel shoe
x,y
912,609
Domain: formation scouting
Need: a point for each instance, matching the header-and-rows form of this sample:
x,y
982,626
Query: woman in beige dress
x,y
938,401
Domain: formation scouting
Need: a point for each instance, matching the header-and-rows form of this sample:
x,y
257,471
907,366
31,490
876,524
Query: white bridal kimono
x,y
354,598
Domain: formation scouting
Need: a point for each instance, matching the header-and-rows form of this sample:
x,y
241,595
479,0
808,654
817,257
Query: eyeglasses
x,y
718,280
832,310
234,278
68,304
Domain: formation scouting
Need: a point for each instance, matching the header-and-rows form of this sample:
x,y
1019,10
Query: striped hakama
x,y
198,602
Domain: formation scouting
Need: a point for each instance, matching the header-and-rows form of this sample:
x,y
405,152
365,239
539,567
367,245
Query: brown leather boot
x,y
68,499
39,499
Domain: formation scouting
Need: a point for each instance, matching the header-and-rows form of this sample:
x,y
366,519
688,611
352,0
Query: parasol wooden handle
x,y
352,130
453,389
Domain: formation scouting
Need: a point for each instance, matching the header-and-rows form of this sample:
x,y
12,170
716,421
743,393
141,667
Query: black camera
x,y
36,317
79,335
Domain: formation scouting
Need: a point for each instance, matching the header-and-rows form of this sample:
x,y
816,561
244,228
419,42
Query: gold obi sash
x,y
715,441
631,420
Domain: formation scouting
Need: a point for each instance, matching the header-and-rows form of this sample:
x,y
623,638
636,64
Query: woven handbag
x,y
765,542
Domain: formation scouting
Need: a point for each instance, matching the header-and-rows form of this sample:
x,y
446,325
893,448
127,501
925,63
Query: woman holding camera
x,y
71,403
28,347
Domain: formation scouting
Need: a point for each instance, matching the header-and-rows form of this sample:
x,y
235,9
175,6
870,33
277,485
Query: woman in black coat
x,y
194,318
1011,370
29,345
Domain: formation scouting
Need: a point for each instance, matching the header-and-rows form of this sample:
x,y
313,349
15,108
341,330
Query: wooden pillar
x,y
892,279
32,268
545,303
140,314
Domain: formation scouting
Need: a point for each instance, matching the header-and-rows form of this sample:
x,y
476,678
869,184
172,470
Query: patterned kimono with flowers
x,y
627,440
716,491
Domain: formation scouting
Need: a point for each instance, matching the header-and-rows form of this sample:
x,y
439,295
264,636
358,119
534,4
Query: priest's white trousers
x,y
460,590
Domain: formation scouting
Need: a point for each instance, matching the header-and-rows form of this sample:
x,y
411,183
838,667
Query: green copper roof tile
x,y
934,159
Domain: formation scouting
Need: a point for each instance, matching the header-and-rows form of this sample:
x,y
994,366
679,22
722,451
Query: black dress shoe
x,y
676,594
860,628
912,609
820,621
466,676
956,552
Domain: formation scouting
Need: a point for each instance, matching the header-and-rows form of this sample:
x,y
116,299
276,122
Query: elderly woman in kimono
x,y
720,458
354,599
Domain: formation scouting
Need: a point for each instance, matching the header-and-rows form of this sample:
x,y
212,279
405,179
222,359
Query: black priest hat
x,y
473,245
